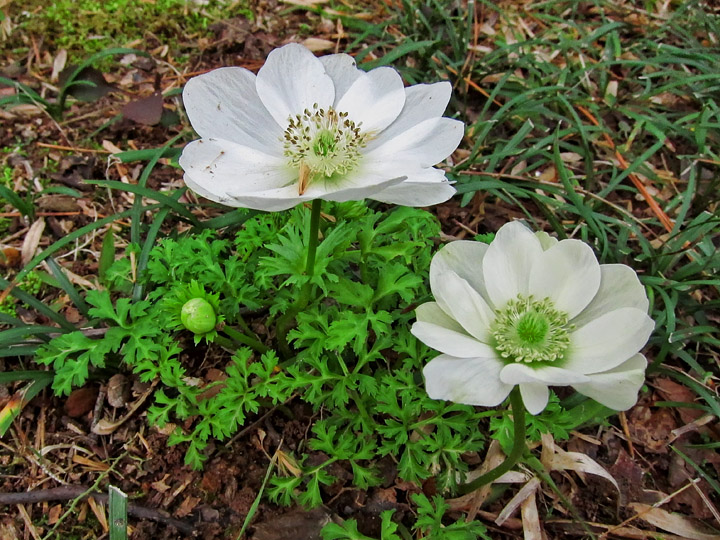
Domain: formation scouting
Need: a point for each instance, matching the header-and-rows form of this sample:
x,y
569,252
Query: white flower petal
x,y
508,262
343,71
271,200
535,397
463,257
293,80
442,333
517,373
568,273
619,287
220,170
458,299
422,102
617,388
277,199
546,240
224,104
355,187
424,187
449,342
426,143
608,341
472,381
374,100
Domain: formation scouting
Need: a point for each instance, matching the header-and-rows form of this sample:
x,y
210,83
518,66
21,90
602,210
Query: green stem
x,y
241,338
284,321
313,240
518,449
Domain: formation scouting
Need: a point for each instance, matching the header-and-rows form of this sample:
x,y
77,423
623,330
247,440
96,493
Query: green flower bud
x,y
198,316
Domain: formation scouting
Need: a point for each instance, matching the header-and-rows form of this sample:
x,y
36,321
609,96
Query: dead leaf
x,y
106,427
527,491
295,525
90,463
630,477
8,532
110,147
187,506
98,509
532,529
81,401
651,429
73,277
32,240
556,459
58,64
318,44
306,3
674,523
57,203
10,257
672,391
146,111
53,515
118,390
160,485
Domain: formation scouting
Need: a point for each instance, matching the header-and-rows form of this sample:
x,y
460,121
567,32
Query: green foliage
x,y
31,284
554,419
355,356
430,517
67,23
429,523
349,531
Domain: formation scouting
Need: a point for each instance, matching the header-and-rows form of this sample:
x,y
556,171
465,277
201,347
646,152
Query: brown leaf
x,y
187,506
57,203
72,315
318,44
32,240
118,390
295,525
674,523
672,391
10,257
651,429
81,401
146,110
629,476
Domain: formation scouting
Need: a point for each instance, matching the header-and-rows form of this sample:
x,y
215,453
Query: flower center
x,y
322,142
530,330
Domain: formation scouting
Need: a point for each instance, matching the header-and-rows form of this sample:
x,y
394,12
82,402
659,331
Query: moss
x,y
84,27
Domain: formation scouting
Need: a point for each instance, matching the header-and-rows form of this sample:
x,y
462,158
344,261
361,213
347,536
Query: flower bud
x,y
198,316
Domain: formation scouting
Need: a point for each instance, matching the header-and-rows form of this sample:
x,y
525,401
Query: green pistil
x,y
324,143
530,330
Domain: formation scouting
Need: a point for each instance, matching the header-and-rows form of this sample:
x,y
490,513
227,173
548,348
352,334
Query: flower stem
x,y
241,338
518,448
284,321
313,239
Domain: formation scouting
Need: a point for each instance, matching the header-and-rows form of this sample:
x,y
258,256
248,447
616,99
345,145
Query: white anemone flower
x,y
312,128
528,310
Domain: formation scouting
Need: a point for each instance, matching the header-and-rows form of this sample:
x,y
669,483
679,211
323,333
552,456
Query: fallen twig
x,y
64,493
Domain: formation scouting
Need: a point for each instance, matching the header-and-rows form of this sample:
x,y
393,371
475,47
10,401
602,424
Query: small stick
x,y
73,492
71,148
